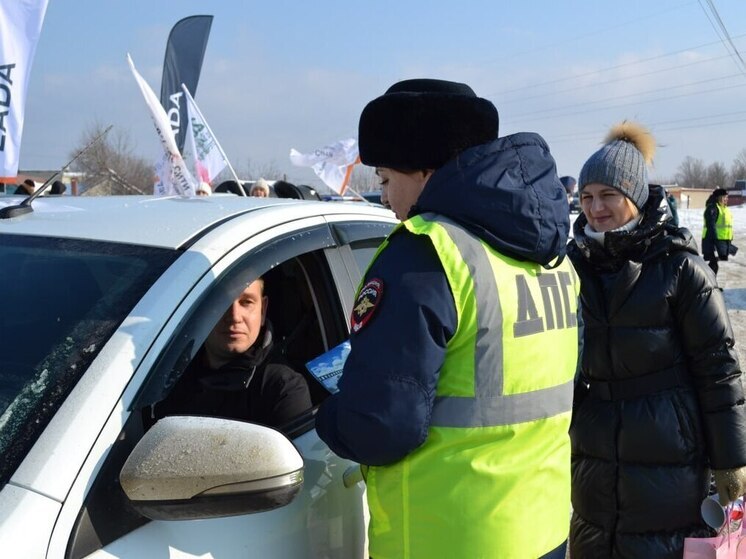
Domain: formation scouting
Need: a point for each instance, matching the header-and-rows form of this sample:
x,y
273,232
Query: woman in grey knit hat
x,y
659,399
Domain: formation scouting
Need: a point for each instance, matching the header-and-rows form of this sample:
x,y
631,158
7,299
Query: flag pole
x,y
346,183
220,148
348,176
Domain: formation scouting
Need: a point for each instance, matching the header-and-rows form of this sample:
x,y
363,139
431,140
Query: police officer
x,y
457,392
717,233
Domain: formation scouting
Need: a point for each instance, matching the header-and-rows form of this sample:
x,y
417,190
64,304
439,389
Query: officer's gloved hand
x,y
731,484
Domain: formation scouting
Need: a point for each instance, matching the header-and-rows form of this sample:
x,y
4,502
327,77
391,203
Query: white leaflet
x,y
332,163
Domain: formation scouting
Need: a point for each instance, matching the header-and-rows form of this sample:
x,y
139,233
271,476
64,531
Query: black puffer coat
x,y
661,398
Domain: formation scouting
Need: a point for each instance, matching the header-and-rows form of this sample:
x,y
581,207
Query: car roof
x,y
157,221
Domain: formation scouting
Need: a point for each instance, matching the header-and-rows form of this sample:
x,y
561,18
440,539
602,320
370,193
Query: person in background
x,y
660,398
457,392
569,184
26,188
673,204
717,232
234,374
203,189
58,188
260,188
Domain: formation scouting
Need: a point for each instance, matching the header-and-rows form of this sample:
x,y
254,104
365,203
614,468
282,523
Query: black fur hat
x,y
424,123
719,192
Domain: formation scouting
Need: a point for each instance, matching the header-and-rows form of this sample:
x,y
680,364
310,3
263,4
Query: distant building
x,y
696,198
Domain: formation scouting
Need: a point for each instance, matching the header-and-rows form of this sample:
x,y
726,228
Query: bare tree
x,y
252,170
112,160
692,173
654,179
364,179
717,175
738,167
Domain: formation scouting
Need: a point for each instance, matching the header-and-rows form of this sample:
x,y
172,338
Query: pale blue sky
x,y
281,74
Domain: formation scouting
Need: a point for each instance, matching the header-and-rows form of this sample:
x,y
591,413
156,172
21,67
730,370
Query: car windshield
x,y
61,301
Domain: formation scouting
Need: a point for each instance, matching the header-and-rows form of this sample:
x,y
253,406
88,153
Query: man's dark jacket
x,y
251,387
661,399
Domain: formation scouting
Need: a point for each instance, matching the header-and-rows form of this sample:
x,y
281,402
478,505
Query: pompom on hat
x,y
622,162
424,123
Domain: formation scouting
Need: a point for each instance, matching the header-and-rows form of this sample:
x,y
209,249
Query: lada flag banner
x,y
185,51
20,27
332,163
209,159
173,175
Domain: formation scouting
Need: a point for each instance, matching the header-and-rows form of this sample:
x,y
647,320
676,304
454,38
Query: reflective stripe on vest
x,y
724,224
484,411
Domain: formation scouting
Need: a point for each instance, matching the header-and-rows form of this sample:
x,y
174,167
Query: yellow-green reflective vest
x,y
492,479
723,225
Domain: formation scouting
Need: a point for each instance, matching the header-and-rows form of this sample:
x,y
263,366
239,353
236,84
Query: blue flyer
x,y
327,367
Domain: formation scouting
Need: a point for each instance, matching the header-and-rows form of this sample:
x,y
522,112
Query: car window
x,y
299,263
363,238
62,300
363,252
307,319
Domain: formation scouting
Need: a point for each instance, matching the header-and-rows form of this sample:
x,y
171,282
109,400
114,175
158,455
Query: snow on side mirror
x,y
187,468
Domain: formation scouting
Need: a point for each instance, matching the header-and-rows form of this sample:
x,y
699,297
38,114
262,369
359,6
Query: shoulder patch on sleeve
x,y
366,303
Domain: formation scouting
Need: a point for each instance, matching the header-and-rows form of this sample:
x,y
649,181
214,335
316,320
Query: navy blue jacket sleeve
x,y
382,410
711,217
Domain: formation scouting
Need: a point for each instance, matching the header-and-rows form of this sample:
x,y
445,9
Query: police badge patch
x,y
367,300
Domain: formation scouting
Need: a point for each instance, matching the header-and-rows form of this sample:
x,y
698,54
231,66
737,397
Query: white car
x,y
104,302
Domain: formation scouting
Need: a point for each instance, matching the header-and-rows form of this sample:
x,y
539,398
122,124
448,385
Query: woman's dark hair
x,y
717,193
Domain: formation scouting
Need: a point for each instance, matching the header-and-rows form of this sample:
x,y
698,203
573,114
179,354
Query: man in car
x,y
234,376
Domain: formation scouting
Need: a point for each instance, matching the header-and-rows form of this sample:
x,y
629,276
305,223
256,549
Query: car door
x,y
314,287
358,242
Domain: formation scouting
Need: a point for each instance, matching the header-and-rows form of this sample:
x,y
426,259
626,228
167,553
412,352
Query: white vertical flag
x,y
20,27
209,159
333,163
173,175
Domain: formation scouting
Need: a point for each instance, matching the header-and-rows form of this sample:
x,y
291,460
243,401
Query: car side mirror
x,y
187,468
